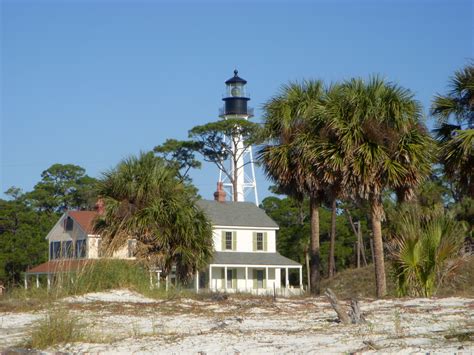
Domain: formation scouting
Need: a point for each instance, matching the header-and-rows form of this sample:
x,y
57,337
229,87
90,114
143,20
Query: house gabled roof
x,y
85,219
239,214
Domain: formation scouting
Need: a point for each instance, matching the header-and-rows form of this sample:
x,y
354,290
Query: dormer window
x,y
68,224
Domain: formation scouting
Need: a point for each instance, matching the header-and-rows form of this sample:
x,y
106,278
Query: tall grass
x,y
57,327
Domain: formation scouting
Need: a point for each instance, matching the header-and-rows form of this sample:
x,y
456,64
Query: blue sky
x,y
91,82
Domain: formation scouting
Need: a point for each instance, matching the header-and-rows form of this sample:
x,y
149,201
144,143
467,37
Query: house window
x,y
81,248
228,240
68,224
229,278
55,250
259,241
66,251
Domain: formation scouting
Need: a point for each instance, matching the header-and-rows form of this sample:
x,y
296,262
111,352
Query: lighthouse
x,y
236,107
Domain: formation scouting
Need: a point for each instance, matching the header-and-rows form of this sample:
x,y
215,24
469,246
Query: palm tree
x,y
146,201
385,146
456,140
288,116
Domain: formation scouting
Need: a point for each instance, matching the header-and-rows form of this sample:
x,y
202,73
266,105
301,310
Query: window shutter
x,y
254,278
254,241
265,278
265,242
234,279
234,241
223,241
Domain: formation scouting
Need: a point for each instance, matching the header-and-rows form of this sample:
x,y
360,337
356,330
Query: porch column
x,y
301,277
266,276
210,277
246,278
225,278
286,278
197,281
37,281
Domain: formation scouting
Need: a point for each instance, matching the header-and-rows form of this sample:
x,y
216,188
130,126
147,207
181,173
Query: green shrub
x,y
424,249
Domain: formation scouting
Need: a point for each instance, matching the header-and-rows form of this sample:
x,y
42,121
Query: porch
x,y
256,273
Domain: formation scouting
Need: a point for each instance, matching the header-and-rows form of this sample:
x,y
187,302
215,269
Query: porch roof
x,y
256,258
59,265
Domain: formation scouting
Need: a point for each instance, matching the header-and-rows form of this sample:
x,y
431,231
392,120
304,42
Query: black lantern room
x,y
235,102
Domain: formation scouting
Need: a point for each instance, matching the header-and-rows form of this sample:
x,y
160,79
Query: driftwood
x,y
342,315
354,316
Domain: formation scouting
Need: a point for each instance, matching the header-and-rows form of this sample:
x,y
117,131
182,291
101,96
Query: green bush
x,y
424,249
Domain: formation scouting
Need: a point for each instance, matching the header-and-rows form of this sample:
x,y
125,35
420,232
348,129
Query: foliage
x,y
293,239
105,274
63,187
180,155
422,249
145,199
22,238
457,140
216,142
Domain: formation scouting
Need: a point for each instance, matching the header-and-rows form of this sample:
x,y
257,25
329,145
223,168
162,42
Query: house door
x,y
259,278
229,278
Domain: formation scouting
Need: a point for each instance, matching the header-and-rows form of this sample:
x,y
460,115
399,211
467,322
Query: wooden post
x,y
49,281
246,278
210,277
158,277
26,281
167,282
301,278
225,278
358,244
361,245
308,269
197,281
37,281
266,276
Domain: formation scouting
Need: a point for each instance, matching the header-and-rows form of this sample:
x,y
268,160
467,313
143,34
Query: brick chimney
x,y
219,195
100,206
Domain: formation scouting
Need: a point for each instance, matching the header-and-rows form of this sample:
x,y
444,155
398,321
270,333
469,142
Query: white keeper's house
x,y
245,257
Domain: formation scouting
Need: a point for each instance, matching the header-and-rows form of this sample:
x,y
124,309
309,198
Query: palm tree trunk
x,y
332,242
315,254
377,212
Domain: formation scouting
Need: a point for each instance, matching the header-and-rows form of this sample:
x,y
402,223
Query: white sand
x,y
124,322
